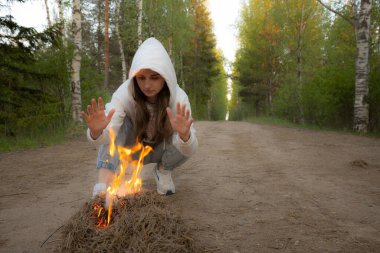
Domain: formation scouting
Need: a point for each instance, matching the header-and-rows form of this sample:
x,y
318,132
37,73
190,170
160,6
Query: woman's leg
x,y
167,158
108,164
166,155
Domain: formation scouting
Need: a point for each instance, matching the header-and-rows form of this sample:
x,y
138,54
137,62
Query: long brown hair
x,y
162,126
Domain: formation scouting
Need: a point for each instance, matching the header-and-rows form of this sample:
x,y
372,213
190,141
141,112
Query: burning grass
x,y
139,223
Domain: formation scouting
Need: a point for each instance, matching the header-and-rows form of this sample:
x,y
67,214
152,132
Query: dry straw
x,y
144,224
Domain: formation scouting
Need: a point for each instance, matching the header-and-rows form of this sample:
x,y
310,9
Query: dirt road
x,y
249,188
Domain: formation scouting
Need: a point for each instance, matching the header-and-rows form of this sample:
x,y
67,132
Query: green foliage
x,y
35,95
27,98
286,102
218,93
329,97
297,61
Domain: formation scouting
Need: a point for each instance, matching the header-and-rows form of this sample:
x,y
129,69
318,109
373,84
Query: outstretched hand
x,y
181,122
96,118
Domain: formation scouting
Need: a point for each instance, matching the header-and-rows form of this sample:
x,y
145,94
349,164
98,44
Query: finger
x,y
187,114
178,108
89,110
94,105
100,104
183,109
170,113
189,123
110,114
86,118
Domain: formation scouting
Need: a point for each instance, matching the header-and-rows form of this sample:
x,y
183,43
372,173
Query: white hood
x,y
152,55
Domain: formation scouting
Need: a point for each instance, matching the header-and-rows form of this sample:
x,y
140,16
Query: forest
x,y
305,61
310,62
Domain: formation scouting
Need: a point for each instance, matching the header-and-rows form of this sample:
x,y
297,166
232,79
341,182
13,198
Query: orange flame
x,y
112,142
120,186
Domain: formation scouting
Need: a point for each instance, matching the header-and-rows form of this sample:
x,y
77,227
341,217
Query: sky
x,y
32,13
224,13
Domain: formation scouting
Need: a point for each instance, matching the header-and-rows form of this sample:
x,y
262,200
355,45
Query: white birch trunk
x,y
300,30
47,13
139,22
107,44
362,26
76,63
62,21
122,56
362,30
61,18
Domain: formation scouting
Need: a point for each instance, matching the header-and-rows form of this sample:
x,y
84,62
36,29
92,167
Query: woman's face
x,y
150,83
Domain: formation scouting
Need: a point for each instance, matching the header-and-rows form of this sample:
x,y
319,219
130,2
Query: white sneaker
x,y
99,189
165,185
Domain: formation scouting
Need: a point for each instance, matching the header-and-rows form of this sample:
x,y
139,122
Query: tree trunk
x,y
122,56
362,26
76,63
100,39
47,13
62,21
209,109
139,22
170,48
107,45
362,30
301,28
181,71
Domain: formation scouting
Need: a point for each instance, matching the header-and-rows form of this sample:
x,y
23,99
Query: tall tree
x,y
139,22
202,59
61,19
27,104
47,13
278,43
120,42
76,63
257,60
361,22
106,44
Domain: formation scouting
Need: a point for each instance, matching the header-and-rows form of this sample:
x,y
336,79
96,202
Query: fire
x,y
112,144
122,186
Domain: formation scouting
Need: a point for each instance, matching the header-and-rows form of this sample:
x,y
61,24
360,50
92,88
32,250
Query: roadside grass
x,y
286,123
41,138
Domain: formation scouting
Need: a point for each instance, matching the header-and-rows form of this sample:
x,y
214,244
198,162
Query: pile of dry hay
x,y
142,224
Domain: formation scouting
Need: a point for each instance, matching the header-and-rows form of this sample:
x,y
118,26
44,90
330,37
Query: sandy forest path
x,y
249,188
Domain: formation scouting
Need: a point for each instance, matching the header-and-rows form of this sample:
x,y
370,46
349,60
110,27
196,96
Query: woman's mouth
x,y
149,92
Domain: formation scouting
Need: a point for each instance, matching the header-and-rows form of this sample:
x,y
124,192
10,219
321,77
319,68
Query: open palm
x,y
181,122
96,119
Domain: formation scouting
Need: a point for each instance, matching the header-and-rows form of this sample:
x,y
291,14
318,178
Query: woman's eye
x,y
141,78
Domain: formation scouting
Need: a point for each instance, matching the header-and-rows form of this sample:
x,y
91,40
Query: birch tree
x,y
361,22
120,42
76,63
107,45
139,22
61,19
47,13
99,37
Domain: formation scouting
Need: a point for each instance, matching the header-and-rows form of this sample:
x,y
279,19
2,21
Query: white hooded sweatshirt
x,y
150,55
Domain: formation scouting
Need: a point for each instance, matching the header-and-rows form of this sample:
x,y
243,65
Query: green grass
x,y
41,139
286,123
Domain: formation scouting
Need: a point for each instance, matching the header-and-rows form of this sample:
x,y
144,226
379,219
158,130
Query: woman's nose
x,y
147,83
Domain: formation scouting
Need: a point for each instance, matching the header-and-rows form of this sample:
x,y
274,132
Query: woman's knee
x,y
172,158
124,137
